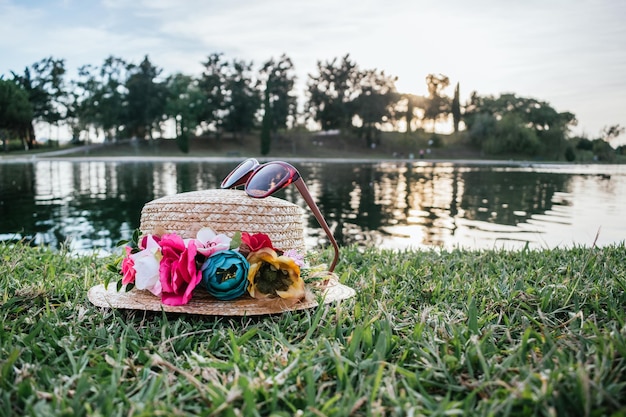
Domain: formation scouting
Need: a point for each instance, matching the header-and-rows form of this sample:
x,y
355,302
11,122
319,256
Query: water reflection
x,y
394,205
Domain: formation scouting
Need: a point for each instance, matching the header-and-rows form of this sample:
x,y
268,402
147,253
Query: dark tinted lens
x,y
268,179
240,174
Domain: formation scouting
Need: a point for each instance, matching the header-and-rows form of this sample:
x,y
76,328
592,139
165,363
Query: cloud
x,y
567,53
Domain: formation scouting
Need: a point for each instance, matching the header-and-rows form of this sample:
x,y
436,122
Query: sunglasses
x,y
261,181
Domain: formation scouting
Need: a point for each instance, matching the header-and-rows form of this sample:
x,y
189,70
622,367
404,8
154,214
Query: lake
x,y
92,204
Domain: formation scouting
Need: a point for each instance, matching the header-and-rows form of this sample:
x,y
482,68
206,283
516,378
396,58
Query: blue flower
x,y
225,275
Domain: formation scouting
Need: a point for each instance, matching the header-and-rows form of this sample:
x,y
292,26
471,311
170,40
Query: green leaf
x,y
472,313
122,242
134,242
6,368
236,241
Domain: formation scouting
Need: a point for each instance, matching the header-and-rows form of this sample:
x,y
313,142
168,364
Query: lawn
x,y
428,333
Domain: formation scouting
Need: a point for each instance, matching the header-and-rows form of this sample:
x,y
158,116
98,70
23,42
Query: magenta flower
x,y
178,271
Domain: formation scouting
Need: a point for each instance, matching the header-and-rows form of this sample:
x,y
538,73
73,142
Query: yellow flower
x,y
272,275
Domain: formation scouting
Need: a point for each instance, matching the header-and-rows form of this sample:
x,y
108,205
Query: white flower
x,y
147,267
208,242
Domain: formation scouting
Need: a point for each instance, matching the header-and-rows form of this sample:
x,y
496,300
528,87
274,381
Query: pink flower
x,y
208,242
128,268
178,271
297,257
145,240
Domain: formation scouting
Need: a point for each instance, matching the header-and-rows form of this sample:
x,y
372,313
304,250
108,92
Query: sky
x,y
569,53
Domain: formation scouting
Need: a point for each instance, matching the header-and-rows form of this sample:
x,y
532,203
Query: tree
x,y
184,105
242,98
74,118
111,99
85,102
610,133
373,104
511,135
212,84
146,99
83,108
437,104
43,83
266,125
331,92
16,112
280,103
584,144
411,108
603,151
456,108
484,115
102,97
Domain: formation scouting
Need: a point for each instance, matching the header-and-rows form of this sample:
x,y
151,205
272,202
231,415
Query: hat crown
x,y
227,212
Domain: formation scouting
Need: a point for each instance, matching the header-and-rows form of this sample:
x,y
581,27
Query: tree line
x,y
118,99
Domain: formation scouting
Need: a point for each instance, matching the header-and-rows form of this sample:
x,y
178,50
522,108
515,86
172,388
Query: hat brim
x,y
203,303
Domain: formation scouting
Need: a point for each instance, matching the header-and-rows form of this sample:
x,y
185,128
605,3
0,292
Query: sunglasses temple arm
x,y
304,191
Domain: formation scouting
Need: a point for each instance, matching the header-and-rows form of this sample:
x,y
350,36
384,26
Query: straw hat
x,y
227,212
204,304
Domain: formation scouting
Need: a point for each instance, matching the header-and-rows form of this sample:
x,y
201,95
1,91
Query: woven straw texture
x,y
204,304
228,212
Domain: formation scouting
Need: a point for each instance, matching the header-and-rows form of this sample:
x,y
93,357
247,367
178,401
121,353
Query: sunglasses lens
x,y
240,174
268,179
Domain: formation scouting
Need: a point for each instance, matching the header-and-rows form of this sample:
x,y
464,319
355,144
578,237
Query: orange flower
x,y
272,275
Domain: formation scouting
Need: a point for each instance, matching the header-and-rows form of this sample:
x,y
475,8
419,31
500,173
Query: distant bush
x,y
603,151
510,136
584,144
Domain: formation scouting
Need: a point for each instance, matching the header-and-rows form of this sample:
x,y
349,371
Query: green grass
x,y
429,333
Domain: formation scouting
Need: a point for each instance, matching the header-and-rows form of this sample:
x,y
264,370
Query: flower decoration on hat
x,y
227,268
273,275
225,275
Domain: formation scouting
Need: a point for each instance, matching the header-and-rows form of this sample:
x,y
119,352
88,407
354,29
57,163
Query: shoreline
x,y
82,154
65,155
340,160
151,158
